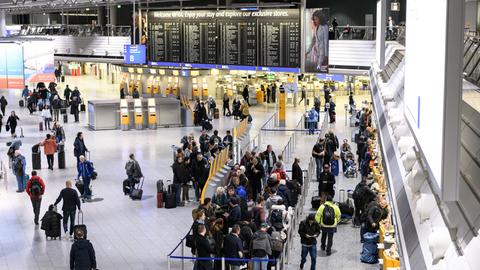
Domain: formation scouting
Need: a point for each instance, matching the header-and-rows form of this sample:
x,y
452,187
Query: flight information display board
x,y
268,37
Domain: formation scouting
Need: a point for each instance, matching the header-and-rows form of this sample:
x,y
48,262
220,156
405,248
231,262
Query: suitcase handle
x,y
140,185
78,217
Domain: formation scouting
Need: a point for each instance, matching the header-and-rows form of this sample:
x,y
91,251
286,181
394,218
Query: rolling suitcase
x,y
216,113
160,186
36,161
160,199
65,118
170,201
61,159
62,78
21,103
79,227
316,201
79,186
40,126
137,193
126,186
82,107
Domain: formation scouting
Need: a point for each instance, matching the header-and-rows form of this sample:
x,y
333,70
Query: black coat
x,y
200,170
274,159
232,245
79,147
310,229
297,173
326,182
51,224
181,173
82,256
70,199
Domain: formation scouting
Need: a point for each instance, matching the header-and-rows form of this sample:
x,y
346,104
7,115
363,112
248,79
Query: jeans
x,y
50,159
87,193
313,255
20,182
56,114
311,128
260,265
66,216
319,165
47,123
178,192
329,242
36,203
185,189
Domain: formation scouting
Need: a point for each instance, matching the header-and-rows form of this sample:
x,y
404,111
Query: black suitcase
x,y
79,185
79,227
82,107
346,209
61,159
62,78
316,201
170,200
126,186
65,118
21,103
137,193
36,161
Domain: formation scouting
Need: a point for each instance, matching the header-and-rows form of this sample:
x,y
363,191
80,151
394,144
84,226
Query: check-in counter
x,y
105,114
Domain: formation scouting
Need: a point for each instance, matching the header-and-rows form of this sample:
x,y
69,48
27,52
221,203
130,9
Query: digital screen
x,y
134,54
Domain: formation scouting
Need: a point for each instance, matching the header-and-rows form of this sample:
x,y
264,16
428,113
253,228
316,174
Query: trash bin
x,y
61,156
259,96
36,158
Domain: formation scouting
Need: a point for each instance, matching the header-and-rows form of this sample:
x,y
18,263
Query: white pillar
x,y
381,28
3,28
113,15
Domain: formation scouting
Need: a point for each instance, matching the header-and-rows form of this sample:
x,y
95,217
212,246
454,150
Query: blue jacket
x,y
25,92
312,116
85,169
24,163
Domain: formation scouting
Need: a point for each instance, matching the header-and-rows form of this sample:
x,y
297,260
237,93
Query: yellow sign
x,y
281,108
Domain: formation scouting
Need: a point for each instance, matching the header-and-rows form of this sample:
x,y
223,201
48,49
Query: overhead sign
x,y
134,54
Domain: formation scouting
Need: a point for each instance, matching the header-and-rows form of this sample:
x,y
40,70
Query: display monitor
x,y
134,54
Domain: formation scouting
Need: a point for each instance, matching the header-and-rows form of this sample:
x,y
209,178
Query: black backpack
x,y
35,188
328,215
276,219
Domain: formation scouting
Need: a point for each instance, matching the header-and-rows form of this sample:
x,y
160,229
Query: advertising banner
x,y
316,40
38,61
11,66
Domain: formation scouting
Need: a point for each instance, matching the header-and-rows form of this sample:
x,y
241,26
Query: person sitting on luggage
x,y
133,170
70,203
82,254
51,222
85,170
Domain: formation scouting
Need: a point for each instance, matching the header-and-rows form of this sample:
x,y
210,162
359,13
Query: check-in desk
x,y
105,114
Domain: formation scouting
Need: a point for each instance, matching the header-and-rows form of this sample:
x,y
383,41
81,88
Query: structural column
x,y
101,16
113,15
3,28
381,29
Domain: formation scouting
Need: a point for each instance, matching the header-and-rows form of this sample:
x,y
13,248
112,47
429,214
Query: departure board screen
x,y
270,37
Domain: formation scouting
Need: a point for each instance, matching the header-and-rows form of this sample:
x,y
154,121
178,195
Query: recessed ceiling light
x,y
87,9
119,6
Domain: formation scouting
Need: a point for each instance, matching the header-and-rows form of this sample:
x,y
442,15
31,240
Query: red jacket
x,y
29,183
281,173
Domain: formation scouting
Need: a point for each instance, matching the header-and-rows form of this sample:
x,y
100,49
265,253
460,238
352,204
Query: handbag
x,y
189,239
7,127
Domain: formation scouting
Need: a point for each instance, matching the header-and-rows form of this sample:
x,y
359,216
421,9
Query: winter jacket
x,y
261,243
220,200
181,174
232,245
200,170
137,171
29,184
49,146
284,192
234,216
271,201
374,214
70,199
82,256
326,182
319,215
85,169
79,148
310,229
51,224
24,165
297,173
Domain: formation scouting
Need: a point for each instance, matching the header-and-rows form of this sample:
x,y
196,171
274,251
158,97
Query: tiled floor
x,y
126,234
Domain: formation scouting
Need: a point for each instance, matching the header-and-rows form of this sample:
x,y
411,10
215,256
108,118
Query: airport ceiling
x,y
20,6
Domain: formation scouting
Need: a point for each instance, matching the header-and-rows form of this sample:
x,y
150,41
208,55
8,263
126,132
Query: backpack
x,y
130,168
276,219
311,115
277,242
18,166
328,215
35,188
357,193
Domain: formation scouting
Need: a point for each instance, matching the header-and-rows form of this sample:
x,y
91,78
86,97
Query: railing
x,y
356,32
215,166
73,30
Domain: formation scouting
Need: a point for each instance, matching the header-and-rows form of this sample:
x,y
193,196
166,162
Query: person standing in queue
x,y
246,94
203,249
19,164
122,93
82,254
35,190
12,123
269,92
85,170
271,158
79,148
274,92
66,93
326,182
49,148
71,202
233,248
74,107
181,176
200,170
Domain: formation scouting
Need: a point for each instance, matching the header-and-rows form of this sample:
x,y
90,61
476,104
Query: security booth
x,y
124,115
152,114
138,112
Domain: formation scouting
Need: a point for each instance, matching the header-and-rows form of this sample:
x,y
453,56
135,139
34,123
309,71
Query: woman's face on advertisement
x,y
316,20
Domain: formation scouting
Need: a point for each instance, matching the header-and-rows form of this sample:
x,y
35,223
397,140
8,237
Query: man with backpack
x,y
35,190
328,216
19,165
309,230
133,170
312,119
261,248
